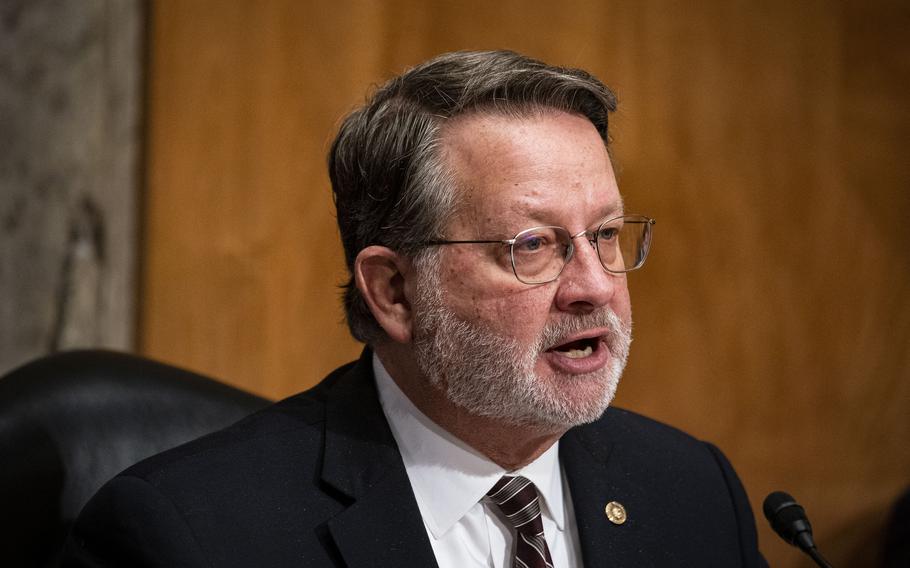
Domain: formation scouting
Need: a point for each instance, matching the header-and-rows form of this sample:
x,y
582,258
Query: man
x,y
488,246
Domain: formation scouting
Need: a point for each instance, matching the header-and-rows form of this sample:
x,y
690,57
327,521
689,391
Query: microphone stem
x,y
819,559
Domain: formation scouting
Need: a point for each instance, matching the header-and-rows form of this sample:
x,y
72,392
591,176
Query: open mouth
x,y
578,349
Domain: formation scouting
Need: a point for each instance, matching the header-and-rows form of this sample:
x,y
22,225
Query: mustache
x,y
618,336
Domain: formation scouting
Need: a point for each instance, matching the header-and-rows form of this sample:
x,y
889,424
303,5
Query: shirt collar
x,y
448,476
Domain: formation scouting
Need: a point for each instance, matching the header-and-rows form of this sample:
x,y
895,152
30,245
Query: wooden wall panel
x,y
242,260
767,139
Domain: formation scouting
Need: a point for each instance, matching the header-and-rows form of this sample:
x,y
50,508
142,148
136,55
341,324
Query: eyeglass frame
x,y
571,248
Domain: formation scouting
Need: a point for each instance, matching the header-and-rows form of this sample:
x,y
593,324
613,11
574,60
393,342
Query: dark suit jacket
x,y
317,480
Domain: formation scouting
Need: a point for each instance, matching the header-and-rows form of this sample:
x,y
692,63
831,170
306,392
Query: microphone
x,y
789,520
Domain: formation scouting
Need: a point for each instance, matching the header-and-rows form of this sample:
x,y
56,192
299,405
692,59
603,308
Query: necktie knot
x,y
519,502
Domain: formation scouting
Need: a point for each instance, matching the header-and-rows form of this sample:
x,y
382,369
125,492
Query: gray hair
x,y
389,181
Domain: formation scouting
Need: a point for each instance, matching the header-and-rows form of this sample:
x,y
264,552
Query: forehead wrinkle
x,y
459,136
479,153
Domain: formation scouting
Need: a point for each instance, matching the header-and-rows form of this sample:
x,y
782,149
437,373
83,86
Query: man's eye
x,y
607,234
531,243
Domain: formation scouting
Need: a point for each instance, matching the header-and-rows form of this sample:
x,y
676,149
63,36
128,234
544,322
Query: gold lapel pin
x,y
615,512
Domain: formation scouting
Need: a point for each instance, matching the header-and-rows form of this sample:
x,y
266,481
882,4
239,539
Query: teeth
x,y
578,353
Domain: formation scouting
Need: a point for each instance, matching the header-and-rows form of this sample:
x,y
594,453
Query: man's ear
x,y
379,273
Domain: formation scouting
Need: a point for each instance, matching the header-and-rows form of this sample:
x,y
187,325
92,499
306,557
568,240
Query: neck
x,y
508,445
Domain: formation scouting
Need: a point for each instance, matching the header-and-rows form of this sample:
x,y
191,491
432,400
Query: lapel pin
x,y
615,512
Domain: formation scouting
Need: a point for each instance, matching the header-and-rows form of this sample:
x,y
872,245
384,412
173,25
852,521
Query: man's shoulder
x,y
620,423
299,416
285,434
250,494
637,438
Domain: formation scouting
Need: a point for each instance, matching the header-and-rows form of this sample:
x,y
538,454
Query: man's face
x,y
547,354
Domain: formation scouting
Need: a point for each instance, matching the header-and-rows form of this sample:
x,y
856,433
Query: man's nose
x,y
584,285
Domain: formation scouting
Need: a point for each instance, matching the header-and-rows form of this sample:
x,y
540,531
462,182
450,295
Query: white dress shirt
x,y
450,481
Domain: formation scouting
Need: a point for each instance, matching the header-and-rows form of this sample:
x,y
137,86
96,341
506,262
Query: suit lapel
x,y
590,464
382,526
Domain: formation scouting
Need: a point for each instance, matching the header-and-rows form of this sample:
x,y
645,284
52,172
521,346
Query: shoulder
x,y
247,483
622,422
260,434
660,451
279,439
654,449
634,435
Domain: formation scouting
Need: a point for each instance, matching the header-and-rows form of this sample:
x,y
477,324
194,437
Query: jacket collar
x,y
593,463
584,458
382,525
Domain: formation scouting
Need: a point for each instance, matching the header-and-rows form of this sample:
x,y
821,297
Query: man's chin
x,y
564,400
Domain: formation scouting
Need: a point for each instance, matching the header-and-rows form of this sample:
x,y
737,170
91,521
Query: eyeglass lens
x,y
539,254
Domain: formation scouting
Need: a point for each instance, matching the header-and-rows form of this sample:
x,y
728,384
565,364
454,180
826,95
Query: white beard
x,y
493,376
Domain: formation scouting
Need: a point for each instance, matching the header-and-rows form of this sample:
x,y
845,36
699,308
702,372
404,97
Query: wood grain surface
x,y
768,139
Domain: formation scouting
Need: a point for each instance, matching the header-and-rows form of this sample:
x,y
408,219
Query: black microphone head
x,y
788,519
776,501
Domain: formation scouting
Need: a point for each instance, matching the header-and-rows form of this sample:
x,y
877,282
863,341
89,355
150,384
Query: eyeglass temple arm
x,y
505,242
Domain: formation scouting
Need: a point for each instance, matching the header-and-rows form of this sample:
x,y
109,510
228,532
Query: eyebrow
x,y
615,208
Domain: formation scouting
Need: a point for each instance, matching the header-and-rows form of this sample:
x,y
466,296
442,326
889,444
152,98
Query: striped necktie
x,y
518,500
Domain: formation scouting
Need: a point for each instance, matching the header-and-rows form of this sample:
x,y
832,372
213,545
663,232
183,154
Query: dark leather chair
x,y
71,421
897,534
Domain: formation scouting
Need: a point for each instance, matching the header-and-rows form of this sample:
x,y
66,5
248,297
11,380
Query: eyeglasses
x,y
539,254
